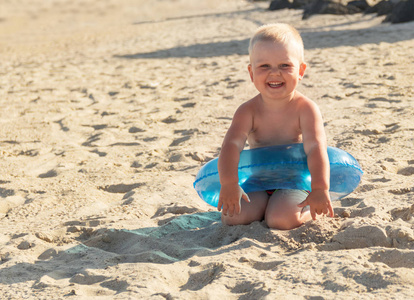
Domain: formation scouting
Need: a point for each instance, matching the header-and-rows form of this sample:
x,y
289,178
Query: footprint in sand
x,y
136,164
207,275
407,171
406,214
179,141
101,154
115,285
89,142
120,188
49,174
4,193
347,202
187,104
186,134
170,119
25,245
394,258
174,209
87,278
401,191
262,266
401,235
135,130
354,237
62,127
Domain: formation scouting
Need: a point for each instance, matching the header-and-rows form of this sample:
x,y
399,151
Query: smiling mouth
x,y
275,84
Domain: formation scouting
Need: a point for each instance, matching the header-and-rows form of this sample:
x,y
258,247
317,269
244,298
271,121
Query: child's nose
x,y
275,70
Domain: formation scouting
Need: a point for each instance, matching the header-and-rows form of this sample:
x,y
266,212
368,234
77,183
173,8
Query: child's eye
x,y
284,66
265,66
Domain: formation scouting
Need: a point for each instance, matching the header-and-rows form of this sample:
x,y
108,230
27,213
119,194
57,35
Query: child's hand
x,y
319,203
229,199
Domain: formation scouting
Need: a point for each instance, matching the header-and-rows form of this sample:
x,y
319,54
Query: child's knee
x,y
250,212
283,212
235,220
283,221
226,220
243,218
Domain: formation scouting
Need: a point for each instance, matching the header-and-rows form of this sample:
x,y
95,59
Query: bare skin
x,y
277,115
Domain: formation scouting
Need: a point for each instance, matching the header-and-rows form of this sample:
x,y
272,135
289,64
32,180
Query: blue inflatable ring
x,y
280,167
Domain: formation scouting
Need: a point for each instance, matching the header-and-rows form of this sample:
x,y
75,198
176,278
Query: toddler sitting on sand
x,y
277,115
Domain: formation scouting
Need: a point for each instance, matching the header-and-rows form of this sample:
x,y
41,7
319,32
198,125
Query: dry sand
x,y
108,110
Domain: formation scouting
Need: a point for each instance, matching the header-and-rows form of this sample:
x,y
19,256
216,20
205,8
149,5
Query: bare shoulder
x,y
306,105
248,107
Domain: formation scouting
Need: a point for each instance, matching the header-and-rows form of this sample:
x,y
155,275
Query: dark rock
x,y
361,4
280,4
328,7
301,3
381,8
402,12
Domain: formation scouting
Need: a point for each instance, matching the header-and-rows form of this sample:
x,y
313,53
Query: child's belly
x,y
256,141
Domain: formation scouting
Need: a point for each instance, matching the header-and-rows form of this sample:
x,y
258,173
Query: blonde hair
x,y
278,32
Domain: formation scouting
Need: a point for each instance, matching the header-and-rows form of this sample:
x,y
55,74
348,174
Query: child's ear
x,y
302,69
249,67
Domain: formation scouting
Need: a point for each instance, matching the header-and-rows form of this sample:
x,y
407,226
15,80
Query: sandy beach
x,y
108,109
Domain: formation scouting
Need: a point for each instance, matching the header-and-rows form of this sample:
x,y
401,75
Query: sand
x,y
109,109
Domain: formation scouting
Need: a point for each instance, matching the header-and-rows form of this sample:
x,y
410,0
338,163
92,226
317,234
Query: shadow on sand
x,y
323,37
180,238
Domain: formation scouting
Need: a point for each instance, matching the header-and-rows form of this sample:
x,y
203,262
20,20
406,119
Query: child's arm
x,y
234,141
314,142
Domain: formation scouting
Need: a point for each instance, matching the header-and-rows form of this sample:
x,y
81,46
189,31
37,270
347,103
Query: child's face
x,y
275,69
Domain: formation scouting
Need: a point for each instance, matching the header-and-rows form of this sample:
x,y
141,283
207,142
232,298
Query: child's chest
x,y
274,128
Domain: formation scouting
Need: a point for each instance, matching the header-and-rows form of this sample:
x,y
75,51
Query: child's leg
x,y
282,211
250,211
